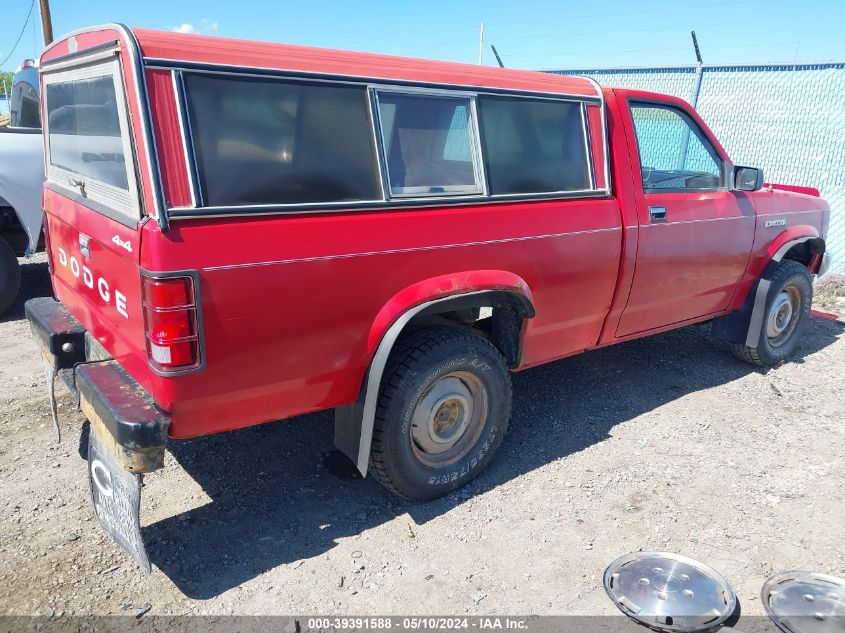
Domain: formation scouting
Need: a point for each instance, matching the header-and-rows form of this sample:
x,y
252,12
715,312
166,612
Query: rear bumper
x,y
135,430
58,334
120,411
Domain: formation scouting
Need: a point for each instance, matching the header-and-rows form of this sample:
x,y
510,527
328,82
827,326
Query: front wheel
x,y
10,276
786,316
443,410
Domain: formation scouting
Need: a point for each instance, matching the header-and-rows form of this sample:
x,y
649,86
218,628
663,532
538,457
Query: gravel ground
x,y
664,443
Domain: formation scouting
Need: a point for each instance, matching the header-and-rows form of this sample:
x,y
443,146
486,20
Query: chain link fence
x,y
788,119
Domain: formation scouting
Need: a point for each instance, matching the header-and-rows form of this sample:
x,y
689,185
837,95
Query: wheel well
x,y
12,231
805,251
743,326
497,315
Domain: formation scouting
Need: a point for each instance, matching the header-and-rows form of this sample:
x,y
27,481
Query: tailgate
x,y
92,204
98,280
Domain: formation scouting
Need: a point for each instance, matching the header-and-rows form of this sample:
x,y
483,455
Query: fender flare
x,y
354,422
778,249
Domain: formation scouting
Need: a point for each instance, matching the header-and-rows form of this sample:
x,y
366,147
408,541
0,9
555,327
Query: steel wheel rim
x,y
448,419
783,316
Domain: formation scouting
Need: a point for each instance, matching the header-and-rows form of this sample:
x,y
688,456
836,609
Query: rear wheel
x,y
786,316
10,276
443,409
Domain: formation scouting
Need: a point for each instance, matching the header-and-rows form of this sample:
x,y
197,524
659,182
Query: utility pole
x,y
480,44
46,22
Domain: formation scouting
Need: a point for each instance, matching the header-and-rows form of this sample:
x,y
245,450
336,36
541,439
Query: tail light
x,y
170,323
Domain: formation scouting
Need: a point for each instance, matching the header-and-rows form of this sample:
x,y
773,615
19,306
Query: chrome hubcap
x,y
448,419
783,315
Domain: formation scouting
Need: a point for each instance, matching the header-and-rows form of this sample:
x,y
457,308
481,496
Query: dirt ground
x,y
665,443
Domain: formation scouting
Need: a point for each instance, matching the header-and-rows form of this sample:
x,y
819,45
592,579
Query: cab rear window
x,y
88,144
277,142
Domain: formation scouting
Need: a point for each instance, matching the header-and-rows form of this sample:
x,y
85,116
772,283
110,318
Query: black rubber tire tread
x,y
10,276
409,354
760,354
747,354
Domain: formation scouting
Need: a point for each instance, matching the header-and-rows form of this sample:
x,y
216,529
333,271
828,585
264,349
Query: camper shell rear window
x,y
89,150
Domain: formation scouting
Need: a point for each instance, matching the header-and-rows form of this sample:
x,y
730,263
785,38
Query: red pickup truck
x,y
241,232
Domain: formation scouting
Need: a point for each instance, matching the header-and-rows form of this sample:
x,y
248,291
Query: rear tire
x,y
443,410
10,276
785,319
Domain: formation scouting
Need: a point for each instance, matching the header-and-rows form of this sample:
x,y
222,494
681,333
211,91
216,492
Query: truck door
x,y
695,234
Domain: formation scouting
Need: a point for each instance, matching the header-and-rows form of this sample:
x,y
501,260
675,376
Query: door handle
x,y
657,213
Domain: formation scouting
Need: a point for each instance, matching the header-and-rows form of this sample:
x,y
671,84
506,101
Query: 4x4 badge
x,y
123,244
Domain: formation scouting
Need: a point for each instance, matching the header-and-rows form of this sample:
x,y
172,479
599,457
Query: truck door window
x,y
533,146
429,145
88,143
266,141
674,153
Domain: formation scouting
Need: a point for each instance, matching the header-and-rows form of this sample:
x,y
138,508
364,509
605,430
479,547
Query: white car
x,y
21,179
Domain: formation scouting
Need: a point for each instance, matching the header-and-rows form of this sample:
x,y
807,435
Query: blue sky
x,y
527,33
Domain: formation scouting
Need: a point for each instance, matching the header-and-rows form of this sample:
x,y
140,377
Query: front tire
x,y
10,276
443,410
785,319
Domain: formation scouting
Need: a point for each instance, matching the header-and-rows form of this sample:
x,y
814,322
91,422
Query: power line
x,y
20,35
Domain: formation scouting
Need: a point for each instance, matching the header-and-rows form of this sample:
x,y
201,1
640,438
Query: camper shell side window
x,y
261,141
268,143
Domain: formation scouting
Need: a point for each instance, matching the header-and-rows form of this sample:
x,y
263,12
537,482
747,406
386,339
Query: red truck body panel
x,y
281,340
293,305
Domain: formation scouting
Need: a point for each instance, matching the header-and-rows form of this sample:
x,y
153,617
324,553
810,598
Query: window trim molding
x,y
187,137
381,205
303,75
700,133
376,132
102,209
386,202
125,202
588,150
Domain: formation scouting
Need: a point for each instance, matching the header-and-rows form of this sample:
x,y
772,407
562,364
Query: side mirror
x,y
748,178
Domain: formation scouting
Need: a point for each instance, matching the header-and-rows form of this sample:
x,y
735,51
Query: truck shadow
x,y
279,493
